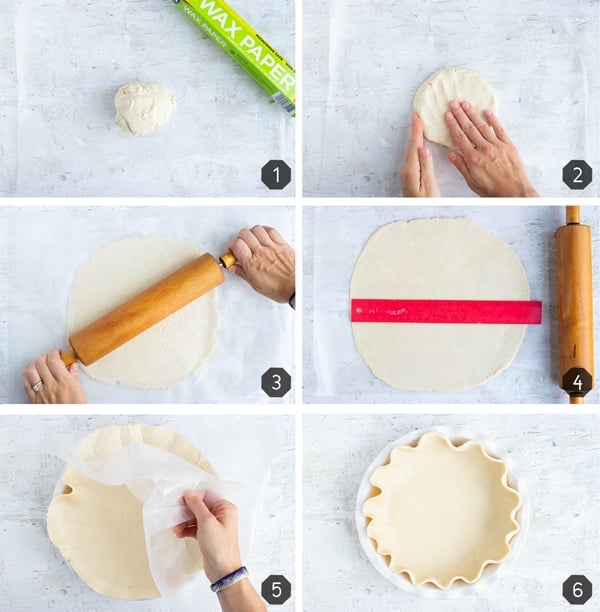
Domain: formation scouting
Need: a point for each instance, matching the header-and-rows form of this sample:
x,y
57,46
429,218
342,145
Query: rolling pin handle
x,y
572,214
68,356
227,260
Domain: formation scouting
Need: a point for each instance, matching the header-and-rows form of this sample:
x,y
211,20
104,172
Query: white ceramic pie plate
x,y
458,589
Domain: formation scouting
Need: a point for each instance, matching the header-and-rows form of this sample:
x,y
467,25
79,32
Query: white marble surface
x,y
35,576
47,245
66,61
333,369
557,456
364,61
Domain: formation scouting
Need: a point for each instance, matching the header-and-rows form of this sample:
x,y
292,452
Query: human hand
x,y
215,526
488,160
266,262
417,175
60,384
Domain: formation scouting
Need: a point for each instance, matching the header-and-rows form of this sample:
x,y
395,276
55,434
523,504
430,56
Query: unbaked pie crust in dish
x,y
441,512
99,528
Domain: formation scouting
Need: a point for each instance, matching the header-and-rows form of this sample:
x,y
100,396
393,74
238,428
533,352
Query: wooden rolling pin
x,y
147,309
575,310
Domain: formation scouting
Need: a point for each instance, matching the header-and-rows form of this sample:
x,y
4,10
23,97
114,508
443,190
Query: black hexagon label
x,y
276,174
577,174
276,382
276,589
577,382
577,589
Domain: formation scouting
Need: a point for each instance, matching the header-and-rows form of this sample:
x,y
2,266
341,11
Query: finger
x,y
26,379
74,370
42,367
459,163
196,504
183,530
210,498
410,167
56,366
496,126
458,136
479,122
224,511
415,140
416,130
241,250
249,238
189,532
262,235
30,375
238,271
466,125
275,235
427,173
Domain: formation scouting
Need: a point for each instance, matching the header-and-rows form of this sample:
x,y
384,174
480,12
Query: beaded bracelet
x,y
230,579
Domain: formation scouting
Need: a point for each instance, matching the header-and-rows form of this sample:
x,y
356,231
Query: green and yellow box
x,y
246,46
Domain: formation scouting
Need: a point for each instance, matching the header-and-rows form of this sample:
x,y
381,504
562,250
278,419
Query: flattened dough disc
x,y
437,259
166,353
98,528
435,94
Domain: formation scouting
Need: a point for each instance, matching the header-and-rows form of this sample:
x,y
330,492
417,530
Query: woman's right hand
x,y
215,526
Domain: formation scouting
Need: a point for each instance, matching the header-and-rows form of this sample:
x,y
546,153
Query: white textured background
x,y
47,245
63,62
34,575
333,369
363,62
557,456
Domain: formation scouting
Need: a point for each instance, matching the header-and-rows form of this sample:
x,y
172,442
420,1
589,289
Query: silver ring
x,y
38,385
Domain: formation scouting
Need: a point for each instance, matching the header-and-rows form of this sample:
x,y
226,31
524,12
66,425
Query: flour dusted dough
x,y
142,107
433,97
437,259
98,528
442,512
165,354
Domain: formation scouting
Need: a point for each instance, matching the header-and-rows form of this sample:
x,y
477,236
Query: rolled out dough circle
x,y
435,94
98,528
165,354
437,259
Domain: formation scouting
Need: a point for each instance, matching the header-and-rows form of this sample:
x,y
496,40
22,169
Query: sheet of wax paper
x,y
65,63
334,371
158,478
47,245
364,62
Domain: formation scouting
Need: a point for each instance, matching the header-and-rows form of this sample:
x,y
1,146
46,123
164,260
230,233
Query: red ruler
x,y
511,312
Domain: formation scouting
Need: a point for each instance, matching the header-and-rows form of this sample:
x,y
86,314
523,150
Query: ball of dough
x,y
435,94
142,107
